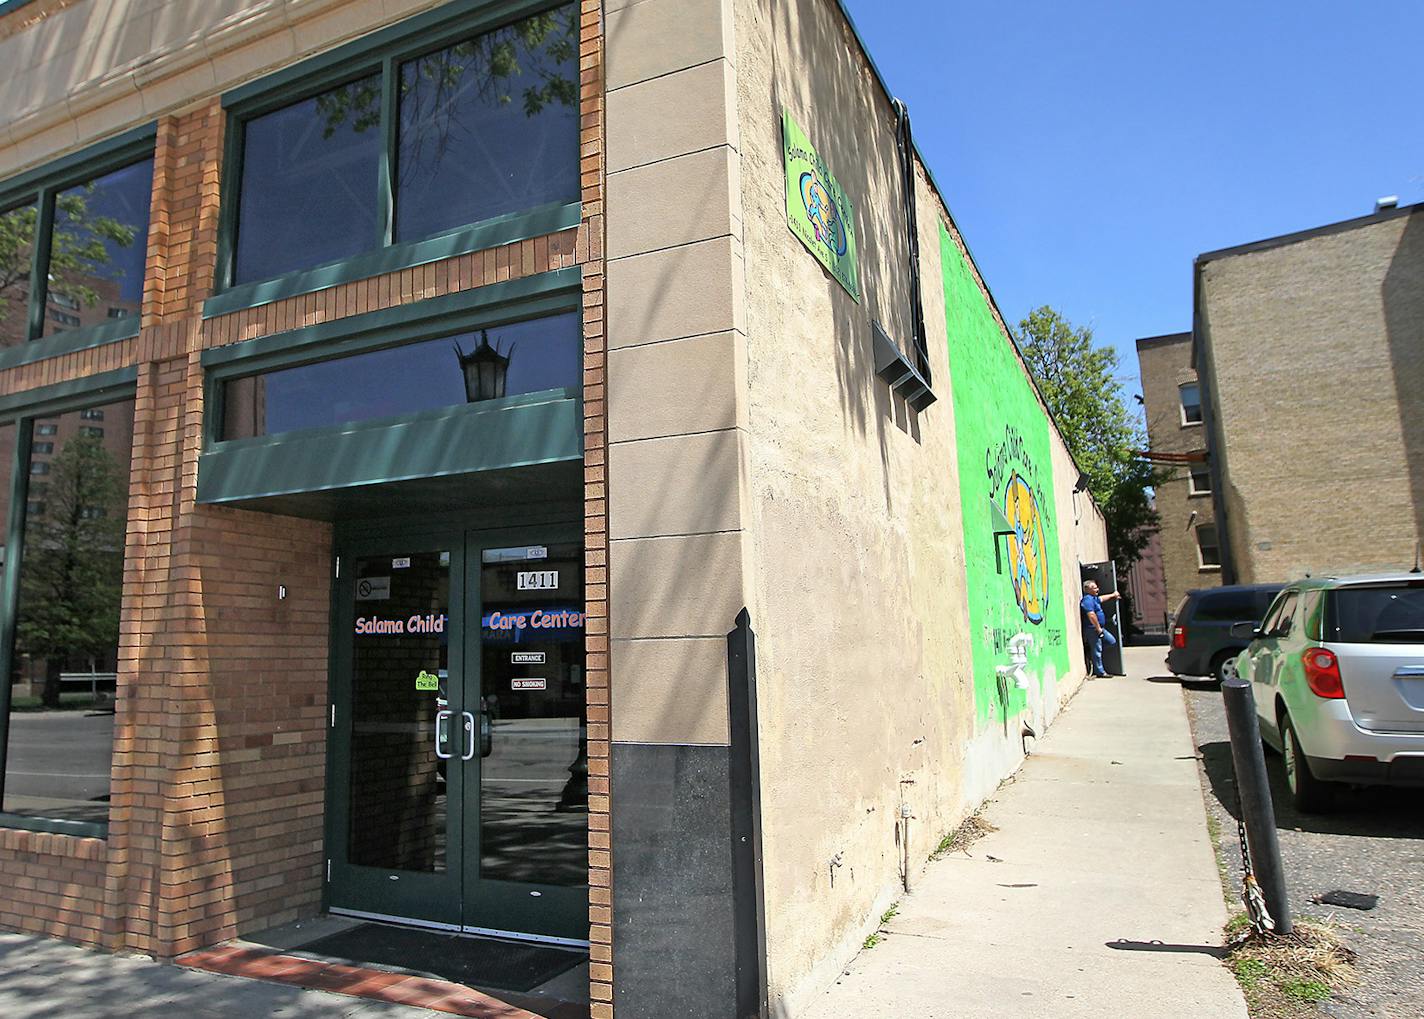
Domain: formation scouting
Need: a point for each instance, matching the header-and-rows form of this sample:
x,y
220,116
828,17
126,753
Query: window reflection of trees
x,y
17,237
534,60
537,57
71,574
96,224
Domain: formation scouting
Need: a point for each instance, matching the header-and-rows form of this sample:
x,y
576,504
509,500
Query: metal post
x,y
1253,791
744,773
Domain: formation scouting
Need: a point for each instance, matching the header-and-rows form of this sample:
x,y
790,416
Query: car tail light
x,y
1322,673
1179,636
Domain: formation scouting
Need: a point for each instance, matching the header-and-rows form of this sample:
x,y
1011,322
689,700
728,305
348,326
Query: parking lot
x,y
1372,843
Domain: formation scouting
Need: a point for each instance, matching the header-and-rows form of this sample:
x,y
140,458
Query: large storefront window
x,y
489,126
309,182
98,248
97,239
64,656
507,360
465,134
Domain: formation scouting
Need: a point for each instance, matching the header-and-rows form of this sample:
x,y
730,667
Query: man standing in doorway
x,y
1095,627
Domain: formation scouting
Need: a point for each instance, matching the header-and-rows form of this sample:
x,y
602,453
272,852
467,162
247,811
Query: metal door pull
x,y
443,713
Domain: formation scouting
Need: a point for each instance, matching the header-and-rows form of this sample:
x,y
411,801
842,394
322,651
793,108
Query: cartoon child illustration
x,y
822,213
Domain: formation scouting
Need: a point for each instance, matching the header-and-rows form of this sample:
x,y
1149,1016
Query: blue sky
x,y
1090,150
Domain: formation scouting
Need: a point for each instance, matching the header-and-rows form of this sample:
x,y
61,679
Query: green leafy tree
x,y
71,575
1078,380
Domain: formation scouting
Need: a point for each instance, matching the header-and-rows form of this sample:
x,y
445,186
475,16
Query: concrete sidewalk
x,y
1097,896
44,978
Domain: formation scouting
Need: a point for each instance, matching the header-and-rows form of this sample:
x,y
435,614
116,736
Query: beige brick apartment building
x,y
1171,395
1310,349
412,410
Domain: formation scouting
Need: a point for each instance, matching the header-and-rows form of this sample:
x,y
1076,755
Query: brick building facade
x,y
1310,349
519,515
1172,404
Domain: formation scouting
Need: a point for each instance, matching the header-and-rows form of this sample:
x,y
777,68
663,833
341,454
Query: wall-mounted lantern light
x,y
485,368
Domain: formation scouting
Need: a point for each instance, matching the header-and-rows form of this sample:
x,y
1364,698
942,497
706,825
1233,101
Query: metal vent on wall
x,y
897,371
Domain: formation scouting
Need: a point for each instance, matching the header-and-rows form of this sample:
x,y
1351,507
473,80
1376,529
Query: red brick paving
x,y
378,985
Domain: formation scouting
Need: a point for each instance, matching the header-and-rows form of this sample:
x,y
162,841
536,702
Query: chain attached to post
x,y
1251,895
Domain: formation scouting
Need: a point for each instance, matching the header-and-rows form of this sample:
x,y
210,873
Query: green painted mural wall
x,y
1005,481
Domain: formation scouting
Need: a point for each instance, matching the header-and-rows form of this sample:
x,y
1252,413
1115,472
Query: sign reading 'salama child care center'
x,y
817,209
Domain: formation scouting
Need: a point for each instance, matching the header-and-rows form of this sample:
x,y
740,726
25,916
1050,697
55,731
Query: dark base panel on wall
x,y
673,910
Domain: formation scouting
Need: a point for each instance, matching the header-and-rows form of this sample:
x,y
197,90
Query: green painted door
x,y
458,789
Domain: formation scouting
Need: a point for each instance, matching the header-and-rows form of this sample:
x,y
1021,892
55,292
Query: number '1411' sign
x,y
538,580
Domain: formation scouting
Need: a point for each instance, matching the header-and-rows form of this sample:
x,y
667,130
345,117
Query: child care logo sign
x,y
1014,486
817,209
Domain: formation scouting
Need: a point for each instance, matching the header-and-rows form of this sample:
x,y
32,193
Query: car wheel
x,y
1309,795
1223,666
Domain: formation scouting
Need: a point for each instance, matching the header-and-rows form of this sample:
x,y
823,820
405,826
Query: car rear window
x,y
1230,607
1390,613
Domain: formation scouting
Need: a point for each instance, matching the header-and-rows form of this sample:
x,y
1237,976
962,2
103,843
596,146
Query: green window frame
x,y
529,428
21,410
39,187
380,53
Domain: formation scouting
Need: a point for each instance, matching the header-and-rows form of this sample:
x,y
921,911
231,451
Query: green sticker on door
x,y
426,681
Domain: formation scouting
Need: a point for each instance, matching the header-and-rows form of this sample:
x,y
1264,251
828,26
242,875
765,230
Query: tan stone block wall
x,y
1166,364
1316,350
677,414
84,70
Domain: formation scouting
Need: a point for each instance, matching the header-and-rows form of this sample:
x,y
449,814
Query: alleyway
x,y
1098,895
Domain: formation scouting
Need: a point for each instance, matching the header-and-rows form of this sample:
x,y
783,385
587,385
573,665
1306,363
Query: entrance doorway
x,y
458,782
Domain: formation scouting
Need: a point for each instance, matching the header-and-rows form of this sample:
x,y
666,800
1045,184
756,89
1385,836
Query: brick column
x,y
590,253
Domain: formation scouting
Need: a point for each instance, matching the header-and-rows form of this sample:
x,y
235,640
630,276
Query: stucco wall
x,y
856,567
1315,351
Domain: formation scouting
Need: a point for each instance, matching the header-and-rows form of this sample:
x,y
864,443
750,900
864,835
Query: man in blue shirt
x,y
1095,627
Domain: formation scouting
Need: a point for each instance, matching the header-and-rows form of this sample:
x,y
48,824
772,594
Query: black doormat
x,y
474,962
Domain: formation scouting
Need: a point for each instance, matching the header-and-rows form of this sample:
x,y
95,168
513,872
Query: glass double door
x,y
458,789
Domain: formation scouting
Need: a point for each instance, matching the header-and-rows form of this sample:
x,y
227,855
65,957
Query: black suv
x,y
1202,644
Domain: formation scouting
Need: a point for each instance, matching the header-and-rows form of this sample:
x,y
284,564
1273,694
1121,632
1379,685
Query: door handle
x,y
441,715
470,736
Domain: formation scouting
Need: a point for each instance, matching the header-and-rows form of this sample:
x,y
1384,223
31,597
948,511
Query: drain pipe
x,y
906,813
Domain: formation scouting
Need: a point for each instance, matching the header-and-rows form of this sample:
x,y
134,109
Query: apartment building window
x,y
43,448
1199,479
413,140
1208,551
1191,403
91,229
45,429
66,611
